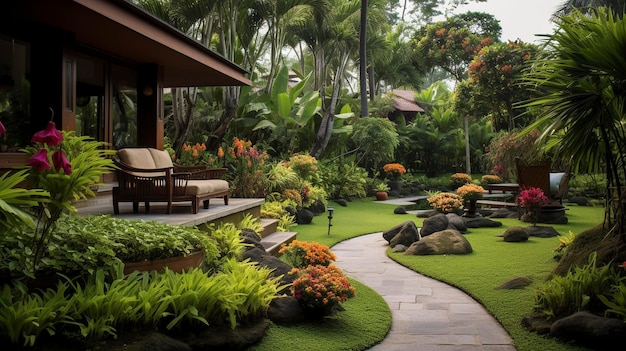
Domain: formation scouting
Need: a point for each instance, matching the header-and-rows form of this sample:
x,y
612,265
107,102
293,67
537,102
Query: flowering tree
x,y
531,200
493,84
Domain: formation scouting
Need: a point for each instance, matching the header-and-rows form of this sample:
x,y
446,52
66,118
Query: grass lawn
x,y
492,263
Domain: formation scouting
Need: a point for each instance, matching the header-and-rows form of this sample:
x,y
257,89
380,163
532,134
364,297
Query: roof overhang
x,y
121,29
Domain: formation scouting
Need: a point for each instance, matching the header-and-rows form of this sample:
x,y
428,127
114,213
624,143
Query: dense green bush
x,y
587,288
170,302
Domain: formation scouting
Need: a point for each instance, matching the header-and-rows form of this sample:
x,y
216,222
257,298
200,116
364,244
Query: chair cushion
x,y
197,187
555,181
137,157
162,158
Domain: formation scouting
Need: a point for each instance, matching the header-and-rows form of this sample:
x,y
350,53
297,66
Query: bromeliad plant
x,y
531,200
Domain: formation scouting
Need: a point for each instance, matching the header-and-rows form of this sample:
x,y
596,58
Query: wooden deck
x,y
181,214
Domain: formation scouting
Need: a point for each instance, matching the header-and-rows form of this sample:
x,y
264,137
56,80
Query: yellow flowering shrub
x,y
470,192
490,179
458,179
445,202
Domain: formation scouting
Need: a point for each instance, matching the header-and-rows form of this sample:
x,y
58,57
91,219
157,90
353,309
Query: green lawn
x,y
492,263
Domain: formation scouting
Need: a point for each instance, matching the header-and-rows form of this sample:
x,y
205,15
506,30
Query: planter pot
x,y
381,196
469,209
177,264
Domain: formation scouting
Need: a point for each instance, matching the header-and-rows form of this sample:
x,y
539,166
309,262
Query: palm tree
x,y
583,107
618,7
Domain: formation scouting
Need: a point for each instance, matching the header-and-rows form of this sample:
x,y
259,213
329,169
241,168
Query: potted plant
x,y
470,194
531,200
394,171
381,190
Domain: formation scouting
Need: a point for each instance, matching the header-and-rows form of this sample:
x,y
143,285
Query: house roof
x,y
404,100
123,30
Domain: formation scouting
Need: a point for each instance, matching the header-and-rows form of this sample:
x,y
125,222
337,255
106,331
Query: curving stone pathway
x,y
427,315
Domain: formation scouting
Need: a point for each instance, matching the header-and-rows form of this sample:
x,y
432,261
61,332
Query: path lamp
x,y
330,217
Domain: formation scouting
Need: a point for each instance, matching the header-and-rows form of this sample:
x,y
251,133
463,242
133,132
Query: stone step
x,y
270,225
273,242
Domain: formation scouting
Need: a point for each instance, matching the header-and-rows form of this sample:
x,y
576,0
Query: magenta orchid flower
x,y
60,161
39,161
3,130
50,135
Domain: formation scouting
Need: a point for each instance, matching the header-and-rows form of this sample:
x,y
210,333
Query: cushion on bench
x,y
205,186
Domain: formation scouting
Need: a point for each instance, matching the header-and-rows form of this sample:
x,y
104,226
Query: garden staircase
x,y
217,213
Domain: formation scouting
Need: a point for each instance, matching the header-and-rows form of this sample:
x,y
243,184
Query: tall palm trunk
x,y
183,102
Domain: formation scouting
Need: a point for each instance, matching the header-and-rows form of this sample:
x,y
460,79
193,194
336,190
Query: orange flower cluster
x,y
321,287
470,192
197,155
301,254
445,202
394,169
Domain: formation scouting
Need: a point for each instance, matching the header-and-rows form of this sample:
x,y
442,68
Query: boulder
x,y
399,248
503,212
434,224
285,310
389,234
407,235
587,329
456,222
304,216
446,242
579,200
399,210
479,222
542,231
515,234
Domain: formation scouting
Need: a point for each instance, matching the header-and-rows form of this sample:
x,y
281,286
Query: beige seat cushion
x,y
162,158
198,187
137,157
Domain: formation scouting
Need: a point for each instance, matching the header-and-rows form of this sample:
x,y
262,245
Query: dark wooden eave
x,y
121,29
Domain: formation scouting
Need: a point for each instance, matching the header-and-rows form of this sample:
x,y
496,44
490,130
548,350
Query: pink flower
x,y
60,161
39,161
50,135
3,130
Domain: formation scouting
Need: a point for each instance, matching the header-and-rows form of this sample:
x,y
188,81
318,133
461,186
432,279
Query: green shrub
x,y
579,290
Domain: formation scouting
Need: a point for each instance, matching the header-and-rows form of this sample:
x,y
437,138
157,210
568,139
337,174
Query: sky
x,y
519,19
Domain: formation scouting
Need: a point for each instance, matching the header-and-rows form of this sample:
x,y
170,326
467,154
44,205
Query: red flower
x,y
60,161
39,161
50,135
3,130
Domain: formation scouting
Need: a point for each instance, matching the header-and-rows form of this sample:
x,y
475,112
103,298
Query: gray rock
x,y
406,236
516,234
389,234
399,210
304,216
456,222
434,224
479,222
446,242
285,310
504,213
399,248
542,231
587,329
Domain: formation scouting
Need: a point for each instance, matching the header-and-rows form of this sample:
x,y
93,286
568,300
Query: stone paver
x,y
427,315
